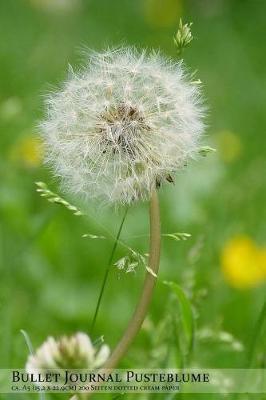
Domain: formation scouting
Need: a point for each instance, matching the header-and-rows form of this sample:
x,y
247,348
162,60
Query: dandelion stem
x,y
146,294
107,271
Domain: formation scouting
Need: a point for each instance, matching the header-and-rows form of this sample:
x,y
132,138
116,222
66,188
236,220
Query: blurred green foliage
x,y
49,275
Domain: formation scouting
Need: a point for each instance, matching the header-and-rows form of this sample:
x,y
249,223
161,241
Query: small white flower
x,y
123,125
75,352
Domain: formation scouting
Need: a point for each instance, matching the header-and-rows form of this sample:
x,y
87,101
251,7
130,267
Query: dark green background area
x,y
49,275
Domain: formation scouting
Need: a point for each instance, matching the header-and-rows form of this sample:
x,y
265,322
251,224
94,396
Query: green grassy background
x,y
49,276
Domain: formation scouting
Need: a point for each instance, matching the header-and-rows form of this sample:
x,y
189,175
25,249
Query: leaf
x,y
258,338
52,197
28,341
92,236
177,235
187,317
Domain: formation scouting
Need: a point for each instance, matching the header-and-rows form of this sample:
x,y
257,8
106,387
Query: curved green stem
x,y
147,290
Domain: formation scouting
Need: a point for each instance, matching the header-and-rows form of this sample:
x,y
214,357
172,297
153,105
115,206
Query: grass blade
x,y
31,351
187,318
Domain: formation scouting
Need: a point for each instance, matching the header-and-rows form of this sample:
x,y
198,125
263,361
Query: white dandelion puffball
x,y
74,352
122,125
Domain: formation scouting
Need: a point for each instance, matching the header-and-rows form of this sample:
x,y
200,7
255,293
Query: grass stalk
x,y
106,274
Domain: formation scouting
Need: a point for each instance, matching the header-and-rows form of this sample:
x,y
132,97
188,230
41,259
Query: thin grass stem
x,y
106,274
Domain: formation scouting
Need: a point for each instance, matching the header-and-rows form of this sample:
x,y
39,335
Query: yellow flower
x,y
243,263
229,145
27,151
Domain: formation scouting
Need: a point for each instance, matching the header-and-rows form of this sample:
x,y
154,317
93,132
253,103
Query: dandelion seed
x,y
123,125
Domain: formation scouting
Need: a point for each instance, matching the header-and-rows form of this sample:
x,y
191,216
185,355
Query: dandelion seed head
x,y
122,125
